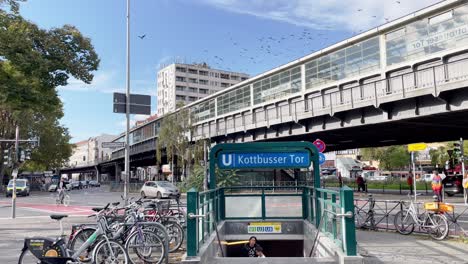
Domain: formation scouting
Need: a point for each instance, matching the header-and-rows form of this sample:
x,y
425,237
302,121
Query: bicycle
x,y
431,221
366,221
62,198
138,239
53,251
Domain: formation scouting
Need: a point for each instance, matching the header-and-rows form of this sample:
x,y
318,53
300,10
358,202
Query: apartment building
x,y
189,82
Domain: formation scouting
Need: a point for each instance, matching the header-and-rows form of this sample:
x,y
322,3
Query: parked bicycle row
x,y
143,231
437,219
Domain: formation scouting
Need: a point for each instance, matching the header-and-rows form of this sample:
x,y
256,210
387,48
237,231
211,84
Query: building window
x,y
277,86
443,32
351,61
203,91
180,88
234,77
180,79
192,80
224,76
192,89
84,158
224,85
181,69
192,98
243,78
201,81
180,97
193,71
204,73
203,111
234,100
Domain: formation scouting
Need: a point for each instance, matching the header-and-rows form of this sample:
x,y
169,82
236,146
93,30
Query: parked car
x,y
94,184
74,185
22,187
53,186
84,184
426,177
453,185
159,189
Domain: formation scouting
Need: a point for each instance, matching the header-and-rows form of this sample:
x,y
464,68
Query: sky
x,y
227,34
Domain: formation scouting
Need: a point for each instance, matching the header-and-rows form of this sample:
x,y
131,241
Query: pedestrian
x,y
465,187
410,182
250,247
340,179
361,183
437,185
259,251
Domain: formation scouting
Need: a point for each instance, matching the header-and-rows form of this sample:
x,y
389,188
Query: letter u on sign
x,y
227,160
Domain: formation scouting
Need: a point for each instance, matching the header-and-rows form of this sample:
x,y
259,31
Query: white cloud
x,y
325,14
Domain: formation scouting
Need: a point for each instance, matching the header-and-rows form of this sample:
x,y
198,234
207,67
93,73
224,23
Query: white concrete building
x,y
189,82
89,152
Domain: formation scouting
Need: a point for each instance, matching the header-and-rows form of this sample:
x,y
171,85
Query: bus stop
x,y
294,224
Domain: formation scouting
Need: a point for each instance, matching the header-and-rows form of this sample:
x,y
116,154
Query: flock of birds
x,y
277,49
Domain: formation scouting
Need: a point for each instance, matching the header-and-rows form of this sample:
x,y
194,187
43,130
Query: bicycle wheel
x,y
437,226
404,223
110,252
145,246
66,200
79,239
175,233
27,257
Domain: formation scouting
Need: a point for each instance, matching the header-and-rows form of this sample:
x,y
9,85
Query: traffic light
x,y
7,157
24,155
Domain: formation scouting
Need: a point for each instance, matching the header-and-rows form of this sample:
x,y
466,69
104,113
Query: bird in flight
x,y
142,36
359,10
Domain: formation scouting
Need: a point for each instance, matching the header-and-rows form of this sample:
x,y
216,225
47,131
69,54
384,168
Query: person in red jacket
x,y
410,182
361,183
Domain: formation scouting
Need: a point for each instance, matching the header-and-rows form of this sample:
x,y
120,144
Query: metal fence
x,y
326,209
375,214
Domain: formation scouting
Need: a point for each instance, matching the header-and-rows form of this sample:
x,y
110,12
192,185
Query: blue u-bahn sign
x,y
264,160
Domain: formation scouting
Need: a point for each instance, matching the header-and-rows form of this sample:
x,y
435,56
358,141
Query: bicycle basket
x,y
163,206
443,207
432,206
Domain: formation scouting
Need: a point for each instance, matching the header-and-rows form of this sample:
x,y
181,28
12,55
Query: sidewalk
x,y
390,247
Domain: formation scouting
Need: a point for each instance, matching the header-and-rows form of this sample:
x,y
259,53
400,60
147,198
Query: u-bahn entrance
x,y
285,219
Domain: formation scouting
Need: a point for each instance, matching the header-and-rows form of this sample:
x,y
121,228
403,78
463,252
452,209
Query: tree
x,y
33,63
173,138
391,157
439,156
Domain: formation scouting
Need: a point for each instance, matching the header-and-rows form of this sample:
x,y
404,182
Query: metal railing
x,y
330,211
432,80
375,214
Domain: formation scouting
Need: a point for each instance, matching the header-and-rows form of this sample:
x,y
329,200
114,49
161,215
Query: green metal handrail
x,y
317,204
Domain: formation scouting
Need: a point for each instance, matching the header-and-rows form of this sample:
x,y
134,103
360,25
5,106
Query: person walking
x,y
437,185
410,182
465,187
340,179
251,247
361,183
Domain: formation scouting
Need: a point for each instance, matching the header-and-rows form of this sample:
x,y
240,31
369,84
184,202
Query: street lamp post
x,y
127,107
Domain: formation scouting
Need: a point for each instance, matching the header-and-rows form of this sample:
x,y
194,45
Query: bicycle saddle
x,y
97,209
58,216
116,203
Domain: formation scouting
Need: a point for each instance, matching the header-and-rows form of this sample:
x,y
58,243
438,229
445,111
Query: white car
x,y
426,178
159,189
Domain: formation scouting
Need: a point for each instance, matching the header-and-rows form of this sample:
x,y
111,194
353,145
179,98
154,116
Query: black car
x,y
453,185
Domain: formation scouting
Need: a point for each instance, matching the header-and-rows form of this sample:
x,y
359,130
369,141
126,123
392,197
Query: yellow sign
x,y
417,147
264,227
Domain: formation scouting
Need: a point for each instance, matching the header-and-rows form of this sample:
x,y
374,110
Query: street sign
x,y
14,173
139,104
322,158
134,109
417,147
264,160
321,146
113,144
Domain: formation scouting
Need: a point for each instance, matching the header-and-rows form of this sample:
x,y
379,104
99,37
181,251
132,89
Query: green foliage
x,y
33,63
195,180
439,156
391,157
226,178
